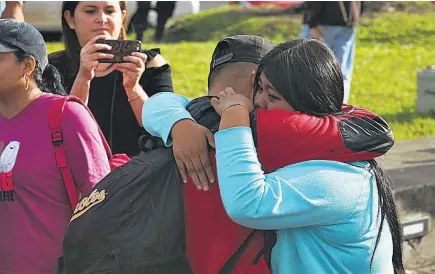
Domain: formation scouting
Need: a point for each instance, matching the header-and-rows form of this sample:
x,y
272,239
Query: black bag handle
x,y
232,262
269,242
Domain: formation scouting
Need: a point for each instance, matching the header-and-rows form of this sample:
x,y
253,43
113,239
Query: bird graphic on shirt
x,y
9,156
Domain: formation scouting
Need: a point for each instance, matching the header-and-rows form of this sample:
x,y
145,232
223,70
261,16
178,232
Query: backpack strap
x,y
269,243
55,113
232,262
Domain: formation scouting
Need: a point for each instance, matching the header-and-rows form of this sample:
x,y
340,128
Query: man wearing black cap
x,y
233,63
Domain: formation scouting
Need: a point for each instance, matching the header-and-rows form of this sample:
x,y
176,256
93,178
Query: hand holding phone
x,y
120,48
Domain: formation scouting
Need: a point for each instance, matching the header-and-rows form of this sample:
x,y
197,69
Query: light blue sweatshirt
x,y
325,212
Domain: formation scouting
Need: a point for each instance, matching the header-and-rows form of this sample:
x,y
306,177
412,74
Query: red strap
x,y
103,139
55,114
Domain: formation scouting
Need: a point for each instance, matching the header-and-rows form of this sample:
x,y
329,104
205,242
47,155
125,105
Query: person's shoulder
x,y
72,107
333,165
329,173
76,106
77,114
336,181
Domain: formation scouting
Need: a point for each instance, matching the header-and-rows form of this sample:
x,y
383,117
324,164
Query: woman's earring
x,y
26,78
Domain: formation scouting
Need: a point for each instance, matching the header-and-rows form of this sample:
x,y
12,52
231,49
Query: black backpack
x,y
132,221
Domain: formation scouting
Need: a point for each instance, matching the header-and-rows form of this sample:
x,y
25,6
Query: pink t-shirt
x,y
34,206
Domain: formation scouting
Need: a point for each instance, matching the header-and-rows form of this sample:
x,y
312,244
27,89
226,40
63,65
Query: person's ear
x,y
69,19
253,79
29,65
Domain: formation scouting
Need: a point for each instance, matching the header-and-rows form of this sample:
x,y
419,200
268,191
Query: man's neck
x,y
12,103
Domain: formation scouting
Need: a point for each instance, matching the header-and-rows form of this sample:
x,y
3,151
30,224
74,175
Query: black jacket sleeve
x,y
156,79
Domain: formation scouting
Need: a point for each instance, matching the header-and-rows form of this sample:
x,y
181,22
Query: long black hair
x,y
307,74
49,80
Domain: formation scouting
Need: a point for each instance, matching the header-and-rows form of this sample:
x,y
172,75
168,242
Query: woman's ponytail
x,y
49,81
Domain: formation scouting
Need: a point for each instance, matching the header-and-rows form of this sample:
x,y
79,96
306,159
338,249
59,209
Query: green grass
x,y
391,48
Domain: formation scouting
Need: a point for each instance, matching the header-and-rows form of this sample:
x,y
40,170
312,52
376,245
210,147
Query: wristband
x,y
235,105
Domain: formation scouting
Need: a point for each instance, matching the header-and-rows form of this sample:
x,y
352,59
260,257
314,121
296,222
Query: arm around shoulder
x,y
313,193
162,111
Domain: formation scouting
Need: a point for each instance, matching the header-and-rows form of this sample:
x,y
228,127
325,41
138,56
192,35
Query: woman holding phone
x,y
115,92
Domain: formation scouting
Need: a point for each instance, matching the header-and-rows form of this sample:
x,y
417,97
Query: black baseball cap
x,y
17,35
240,48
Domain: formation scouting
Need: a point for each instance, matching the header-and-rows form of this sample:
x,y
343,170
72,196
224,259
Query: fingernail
x,y
212,180
185,181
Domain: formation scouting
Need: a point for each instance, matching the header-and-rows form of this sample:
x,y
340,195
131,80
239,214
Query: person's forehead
x,y
98,3
5,54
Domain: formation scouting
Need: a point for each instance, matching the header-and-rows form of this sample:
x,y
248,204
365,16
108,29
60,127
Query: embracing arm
x,y
310,193
306,194
162,111
165,115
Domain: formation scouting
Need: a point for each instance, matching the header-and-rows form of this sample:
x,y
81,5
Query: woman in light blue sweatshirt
x,y
330,217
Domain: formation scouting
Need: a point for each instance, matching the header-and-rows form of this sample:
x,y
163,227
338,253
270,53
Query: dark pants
x,y
139,21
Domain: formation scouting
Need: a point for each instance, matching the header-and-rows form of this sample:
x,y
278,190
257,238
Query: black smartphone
x,y
120,48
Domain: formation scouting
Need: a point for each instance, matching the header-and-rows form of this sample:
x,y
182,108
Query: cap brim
x,y
6,49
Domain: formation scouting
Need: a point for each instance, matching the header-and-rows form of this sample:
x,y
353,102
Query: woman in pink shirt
x,y
34,205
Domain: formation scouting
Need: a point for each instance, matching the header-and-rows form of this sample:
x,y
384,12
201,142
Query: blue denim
x,y
342,41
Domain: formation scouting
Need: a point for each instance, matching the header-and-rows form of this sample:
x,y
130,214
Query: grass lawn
x,y
391,48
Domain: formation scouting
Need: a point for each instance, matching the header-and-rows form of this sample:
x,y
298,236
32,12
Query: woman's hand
x,y
132,70
229,98
317,33
191,152
89,57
